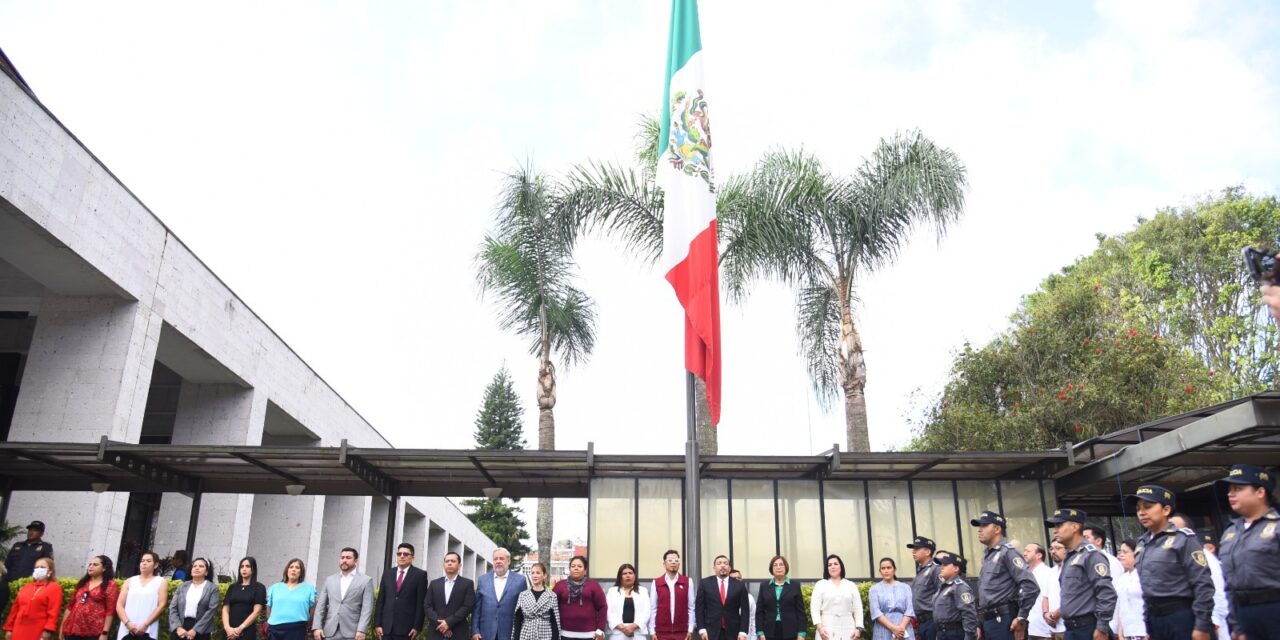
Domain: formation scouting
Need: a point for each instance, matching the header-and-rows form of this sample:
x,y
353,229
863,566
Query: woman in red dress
x,y
34,615
93,607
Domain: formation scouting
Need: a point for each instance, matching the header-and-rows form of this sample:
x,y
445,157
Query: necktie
x,y
399,580
722,622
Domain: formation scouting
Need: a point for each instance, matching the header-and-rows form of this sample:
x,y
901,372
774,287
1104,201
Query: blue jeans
x,y
1177,625
1259,621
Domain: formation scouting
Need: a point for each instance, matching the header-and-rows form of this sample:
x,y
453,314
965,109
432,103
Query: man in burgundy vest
x,y
671,608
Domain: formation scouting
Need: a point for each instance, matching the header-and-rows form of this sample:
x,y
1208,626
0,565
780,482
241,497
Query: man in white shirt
x,y
1050,603
671,609
751,628
1037,627
496,594
1096,536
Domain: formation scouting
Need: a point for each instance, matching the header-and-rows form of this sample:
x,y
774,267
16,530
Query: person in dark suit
x,y
401,598
450,599
780,605
722,609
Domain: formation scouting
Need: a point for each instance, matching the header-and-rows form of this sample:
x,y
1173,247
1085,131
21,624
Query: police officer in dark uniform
x,y
1006,588
955,614
22,557
924,586
1088,597
1176,585
1250,554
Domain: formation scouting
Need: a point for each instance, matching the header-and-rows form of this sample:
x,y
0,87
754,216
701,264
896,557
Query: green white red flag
x,y
689,253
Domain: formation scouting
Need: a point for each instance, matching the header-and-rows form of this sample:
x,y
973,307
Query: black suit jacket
x,y
398,612
791,605
456,613
735,612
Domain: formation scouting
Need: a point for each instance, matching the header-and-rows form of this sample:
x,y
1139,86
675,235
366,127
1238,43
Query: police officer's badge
x,y
1198,556
1270,531
1101,568
1230,535
1168,543
966,597
1019,562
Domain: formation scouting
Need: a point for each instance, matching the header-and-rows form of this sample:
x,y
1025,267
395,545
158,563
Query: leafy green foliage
x,y
1156,322
498,423
502,523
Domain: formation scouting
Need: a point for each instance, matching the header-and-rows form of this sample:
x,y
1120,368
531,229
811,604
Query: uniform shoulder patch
x,y
1272,516
1019,562
1100,568
966,597
1088,546
1269,531
1198,556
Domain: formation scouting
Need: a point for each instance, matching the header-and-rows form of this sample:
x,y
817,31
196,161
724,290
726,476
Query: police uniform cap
x,y
35,524
945,557
989,517
1251,474
922,542
1066,515
1153,493
1207,538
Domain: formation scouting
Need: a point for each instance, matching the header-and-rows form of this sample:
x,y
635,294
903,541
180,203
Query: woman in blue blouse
x,y
891,607
289,604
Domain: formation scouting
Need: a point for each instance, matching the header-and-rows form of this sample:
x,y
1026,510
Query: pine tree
x,y
499,428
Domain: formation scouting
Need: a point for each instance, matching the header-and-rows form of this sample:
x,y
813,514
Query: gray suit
x,y
342,617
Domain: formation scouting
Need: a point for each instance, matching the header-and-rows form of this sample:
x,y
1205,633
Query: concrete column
x,y
469,563
437,545
87,375
346,524
377,538
285,527
213,414
479,570
415,533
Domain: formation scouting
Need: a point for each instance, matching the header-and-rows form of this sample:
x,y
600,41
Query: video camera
x,y
1262,264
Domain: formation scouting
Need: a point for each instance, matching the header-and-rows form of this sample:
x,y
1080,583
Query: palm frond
x,y
620,201
818,328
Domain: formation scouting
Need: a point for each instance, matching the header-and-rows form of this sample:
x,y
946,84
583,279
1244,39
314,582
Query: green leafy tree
x,y
793,221
1155,322
499,427
503,524
527,264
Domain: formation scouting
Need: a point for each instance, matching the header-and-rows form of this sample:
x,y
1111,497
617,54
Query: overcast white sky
x,y
337,163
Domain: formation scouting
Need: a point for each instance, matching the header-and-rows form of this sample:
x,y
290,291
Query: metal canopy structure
x,y
1182,452
353,471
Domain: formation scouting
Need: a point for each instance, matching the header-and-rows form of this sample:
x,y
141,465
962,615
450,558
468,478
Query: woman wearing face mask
x,y
194,604
142,600
93,607
34,615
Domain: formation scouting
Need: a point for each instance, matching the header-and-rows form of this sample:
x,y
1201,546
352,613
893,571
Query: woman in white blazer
x,y
628,607
836,605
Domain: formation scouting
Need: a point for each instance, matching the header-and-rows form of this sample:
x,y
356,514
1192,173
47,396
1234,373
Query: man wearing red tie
x,y
401,599
722,608
671,610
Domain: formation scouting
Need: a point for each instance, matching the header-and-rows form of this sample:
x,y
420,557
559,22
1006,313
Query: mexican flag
x,y
685,172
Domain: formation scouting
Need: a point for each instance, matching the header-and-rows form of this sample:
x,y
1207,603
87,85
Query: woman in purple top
x,y
584,610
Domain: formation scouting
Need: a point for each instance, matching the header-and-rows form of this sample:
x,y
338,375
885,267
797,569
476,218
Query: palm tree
x,y
526,263
796,223
626,203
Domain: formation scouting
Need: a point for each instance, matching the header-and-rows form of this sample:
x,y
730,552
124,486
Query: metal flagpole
x,y
692,496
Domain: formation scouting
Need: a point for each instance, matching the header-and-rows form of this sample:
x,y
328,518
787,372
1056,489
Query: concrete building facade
x,y
110,326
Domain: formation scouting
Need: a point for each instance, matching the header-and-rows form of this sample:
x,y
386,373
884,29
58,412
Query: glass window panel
x,y
800,525
935,504
845,505
661,524
891,515
612,532
715,522
1024,512
754,537
972,498
1125,528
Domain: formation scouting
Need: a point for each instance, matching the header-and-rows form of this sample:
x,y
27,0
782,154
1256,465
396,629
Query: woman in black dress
x,y
243,603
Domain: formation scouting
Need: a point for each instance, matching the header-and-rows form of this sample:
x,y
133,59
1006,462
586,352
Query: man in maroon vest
x,y
671,608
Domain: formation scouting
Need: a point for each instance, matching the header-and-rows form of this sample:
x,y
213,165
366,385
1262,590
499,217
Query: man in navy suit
x,y
496,594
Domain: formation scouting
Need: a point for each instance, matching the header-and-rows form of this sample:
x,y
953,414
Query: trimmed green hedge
x,y
69,592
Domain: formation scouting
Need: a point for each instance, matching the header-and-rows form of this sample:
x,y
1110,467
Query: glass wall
x,y
755,538
800,526
661,524
935,505
715,522
891,522
845,506
612,527
1021,501
972,498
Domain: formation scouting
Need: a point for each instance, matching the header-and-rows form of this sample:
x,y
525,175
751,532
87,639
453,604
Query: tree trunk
x,y
546,442
853,367
707,444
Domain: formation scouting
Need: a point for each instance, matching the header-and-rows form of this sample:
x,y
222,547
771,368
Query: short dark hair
x,y
1096,531
826,571
582,558
1038,550
1128,542
406,545
302,570
355,554
726,559
454,554
786,565
669,552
